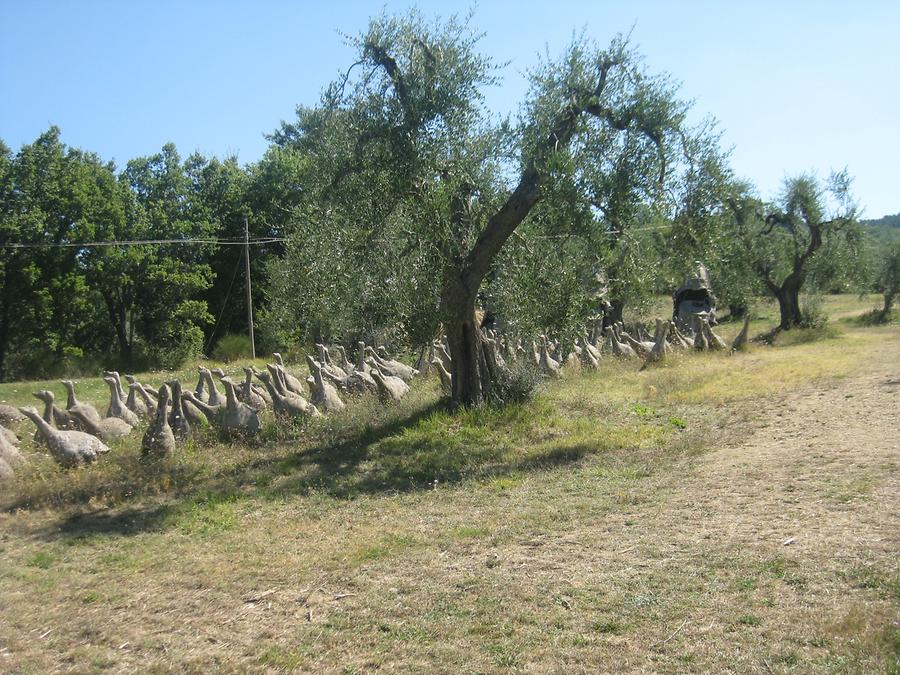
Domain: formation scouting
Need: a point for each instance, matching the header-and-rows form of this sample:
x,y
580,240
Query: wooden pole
x,y
249,292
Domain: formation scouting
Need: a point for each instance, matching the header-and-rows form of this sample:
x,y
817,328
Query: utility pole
x,y
249,292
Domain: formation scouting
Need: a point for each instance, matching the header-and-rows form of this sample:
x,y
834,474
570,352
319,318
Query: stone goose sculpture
x,y
549,366
278,380
38,438
252,395
357,382
196,417
554,348
324,395
291,383
73,403
116,406
9,453
535,354
159,440
178,418
740,341
68,447
341,383
147,393
700,342
641,348
361,357
6,471
9,435
344,363
149,403
617,348
587,345
678,338
107,429
62,419
390,388
328,365
392,366
136,404
123,396
714,341
446,378
239,418
215,398
200,389
360,381
587,356
440,351
115,375
287,406
212,413
658,353
8,414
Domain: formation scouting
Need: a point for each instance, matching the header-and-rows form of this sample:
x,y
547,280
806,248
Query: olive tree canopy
x,y
415,188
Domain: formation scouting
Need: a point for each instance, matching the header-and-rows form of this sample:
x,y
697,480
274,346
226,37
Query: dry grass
x,y
622,521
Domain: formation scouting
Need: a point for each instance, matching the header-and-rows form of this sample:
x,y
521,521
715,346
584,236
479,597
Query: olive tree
x,y
782,239
888,282
409,167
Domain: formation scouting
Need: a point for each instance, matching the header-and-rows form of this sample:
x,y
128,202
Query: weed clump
x,y
517,384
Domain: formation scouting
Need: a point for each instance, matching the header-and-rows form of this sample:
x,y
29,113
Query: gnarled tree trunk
x,y
463,338
788,296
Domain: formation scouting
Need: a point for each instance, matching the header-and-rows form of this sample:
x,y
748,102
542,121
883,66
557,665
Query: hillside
x,y
886,228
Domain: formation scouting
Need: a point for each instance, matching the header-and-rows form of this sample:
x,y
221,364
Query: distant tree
x,y
889,279
50,198
782,244
61,299
217,191
415,181
166,308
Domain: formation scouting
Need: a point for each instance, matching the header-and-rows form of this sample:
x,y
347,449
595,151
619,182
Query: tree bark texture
x,y
463,339
788,296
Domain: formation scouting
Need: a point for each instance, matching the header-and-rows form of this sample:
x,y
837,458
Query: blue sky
x,y
796,86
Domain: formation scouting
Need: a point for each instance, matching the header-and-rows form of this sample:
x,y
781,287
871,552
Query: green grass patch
x,y
42,560
386,547
609,627
204,515
469,532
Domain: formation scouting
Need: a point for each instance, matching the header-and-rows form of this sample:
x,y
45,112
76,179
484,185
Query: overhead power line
x,y
144,242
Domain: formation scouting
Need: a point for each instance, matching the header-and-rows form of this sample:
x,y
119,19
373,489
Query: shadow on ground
x,y
404,454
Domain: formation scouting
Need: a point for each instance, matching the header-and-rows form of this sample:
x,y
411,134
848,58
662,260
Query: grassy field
x,y
621,521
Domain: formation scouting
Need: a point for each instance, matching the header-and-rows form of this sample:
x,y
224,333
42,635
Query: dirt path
x,y
822,470
804,517
773,554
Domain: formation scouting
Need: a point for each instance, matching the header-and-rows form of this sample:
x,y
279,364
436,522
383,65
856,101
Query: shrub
x,y
813,312
179,343
232,347
516,384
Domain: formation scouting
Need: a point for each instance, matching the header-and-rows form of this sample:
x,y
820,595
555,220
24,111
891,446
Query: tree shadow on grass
x,y
333,462
407,452
121,522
